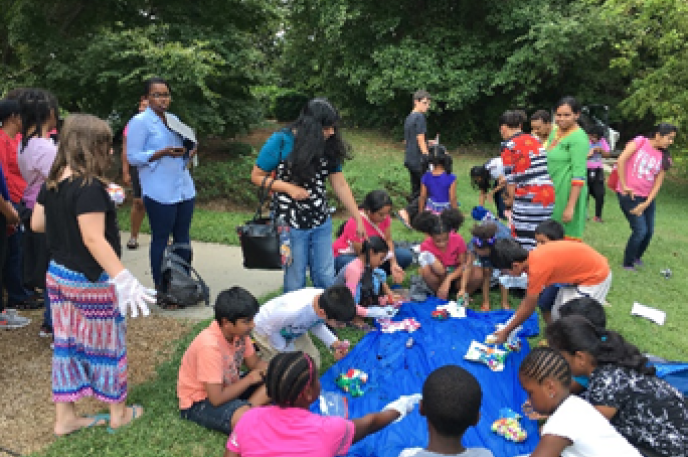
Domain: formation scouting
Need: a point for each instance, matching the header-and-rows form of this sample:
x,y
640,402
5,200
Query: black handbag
x,y
259,237
181,283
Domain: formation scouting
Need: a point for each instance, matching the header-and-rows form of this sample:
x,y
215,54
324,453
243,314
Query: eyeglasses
x,y
157,95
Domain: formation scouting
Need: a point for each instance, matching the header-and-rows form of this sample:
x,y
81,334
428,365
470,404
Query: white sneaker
x,y
10,320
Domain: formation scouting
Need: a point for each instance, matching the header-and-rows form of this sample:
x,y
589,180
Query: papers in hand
x,y
655,315
186,132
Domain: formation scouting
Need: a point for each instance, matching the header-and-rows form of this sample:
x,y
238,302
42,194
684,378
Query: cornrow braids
x,y
289,373
543,363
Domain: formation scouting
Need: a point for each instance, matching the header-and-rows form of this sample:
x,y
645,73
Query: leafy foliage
x,y
95,55
288,105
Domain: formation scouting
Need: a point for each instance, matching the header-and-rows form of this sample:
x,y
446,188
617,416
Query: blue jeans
x,y
12,277
214,417
642,228
165,220
311,249
404,258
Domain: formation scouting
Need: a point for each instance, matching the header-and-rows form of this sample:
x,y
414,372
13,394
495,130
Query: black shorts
x,y
135,182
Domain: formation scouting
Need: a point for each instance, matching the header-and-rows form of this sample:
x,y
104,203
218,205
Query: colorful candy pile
x,y
408,325
508,426
352,381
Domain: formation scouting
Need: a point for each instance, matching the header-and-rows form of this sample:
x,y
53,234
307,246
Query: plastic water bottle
x,y
285,241
333,404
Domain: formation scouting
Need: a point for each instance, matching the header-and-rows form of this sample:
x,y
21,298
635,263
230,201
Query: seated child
x,y
366,281
287,427
574,428
375,211
546,232
579,268
478,265
283,323
443,253
210,389
646,410
451,404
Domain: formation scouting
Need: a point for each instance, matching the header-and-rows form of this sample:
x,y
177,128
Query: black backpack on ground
x,y
182,286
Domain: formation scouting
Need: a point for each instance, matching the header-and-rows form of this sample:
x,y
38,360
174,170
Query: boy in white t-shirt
x,y
283,323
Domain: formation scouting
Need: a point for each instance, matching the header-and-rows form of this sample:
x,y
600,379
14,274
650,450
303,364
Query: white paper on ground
x,y
655,315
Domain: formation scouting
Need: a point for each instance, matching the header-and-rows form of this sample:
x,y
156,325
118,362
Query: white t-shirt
x,y
469,452
287,317
495,167
591,433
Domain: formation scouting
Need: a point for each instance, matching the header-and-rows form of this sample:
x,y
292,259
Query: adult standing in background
x,y
529,189
415,130
304,155
567,154
642,166
130,176
541,125
168,190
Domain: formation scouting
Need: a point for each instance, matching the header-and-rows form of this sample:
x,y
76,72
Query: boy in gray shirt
x,y
451,404
415,129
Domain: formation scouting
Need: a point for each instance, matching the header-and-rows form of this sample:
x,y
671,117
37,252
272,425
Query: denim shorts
x,y
214,417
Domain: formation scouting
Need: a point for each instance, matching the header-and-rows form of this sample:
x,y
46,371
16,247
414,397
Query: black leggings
x,y
596,189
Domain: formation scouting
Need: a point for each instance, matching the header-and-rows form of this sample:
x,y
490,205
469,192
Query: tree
x,y
95,55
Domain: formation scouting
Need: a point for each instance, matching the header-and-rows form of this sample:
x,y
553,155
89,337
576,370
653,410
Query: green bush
x,y
266,96
288,105
228,180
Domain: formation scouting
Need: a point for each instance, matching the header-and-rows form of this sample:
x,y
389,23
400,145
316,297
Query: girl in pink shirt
x,y
288,428
642,167
443,253
367,282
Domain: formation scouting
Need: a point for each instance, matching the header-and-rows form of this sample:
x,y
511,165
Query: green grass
x,y
377,163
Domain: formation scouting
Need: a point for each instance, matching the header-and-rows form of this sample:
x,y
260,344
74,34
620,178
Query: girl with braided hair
x,y
646,410
288,428
574,427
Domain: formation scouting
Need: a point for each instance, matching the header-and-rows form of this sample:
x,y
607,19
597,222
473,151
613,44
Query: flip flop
x,y
134,409
406,224
96,418
133,243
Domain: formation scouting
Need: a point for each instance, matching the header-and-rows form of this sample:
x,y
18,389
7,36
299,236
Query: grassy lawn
x,y
378,163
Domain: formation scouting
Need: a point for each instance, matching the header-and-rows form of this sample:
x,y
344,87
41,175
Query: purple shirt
x,y
35,161
438,186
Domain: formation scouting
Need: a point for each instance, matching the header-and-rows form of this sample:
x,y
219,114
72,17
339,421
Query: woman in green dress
x,y
567,152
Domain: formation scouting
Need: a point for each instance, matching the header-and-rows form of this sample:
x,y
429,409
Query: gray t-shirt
x,y
414,125
470,452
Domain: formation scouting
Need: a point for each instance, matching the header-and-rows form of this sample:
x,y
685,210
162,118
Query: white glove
x,y
378,312
130,293
404,405
426,258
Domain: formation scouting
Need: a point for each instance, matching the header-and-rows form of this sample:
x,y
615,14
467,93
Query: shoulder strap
x,y
377,229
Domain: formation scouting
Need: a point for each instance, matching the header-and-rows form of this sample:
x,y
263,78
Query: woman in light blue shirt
x,y
167,188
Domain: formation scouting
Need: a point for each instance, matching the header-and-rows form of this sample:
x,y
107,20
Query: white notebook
x,y
655,315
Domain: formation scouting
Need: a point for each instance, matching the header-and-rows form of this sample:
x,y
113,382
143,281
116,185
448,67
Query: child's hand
x,y
397,273
341,349
298,192
443,291
256,376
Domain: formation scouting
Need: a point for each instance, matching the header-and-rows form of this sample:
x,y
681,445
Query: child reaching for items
x,y
288,428
210,388
90,290
574,427
489,179
366,281
443,253
438,185
646,410
451,404
283,323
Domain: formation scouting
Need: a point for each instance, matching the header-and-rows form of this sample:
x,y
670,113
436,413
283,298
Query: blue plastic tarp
x,y
394,370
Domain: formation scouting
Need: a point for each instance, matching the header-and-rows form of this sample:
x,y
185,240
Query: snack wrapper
x,y
492,357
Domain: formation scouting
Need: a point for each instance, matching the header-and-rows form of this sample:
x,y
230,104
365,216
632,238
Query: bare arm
x,y
523,312
452,196
253,362
641,207
92,227
466,273
343,191
219,394
38,218
9,212
628,151
371,423
422,144
422,198
294,191
229,453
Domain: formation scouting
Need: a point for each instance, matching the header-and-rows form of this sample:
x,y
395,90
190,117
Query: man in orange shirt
x,y
210,389
585,272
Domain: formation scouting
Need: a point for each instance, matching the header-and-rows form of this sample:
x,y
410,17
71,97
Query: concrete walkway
x,y
219,265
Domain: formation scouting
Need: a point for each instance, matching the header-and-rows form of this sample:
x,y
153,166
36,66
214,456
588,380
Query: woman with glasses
x,y
167,188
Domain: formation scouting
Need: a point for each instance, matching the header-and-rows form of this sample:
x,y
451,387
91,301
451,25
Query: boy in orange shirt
x,y
585,272
210,389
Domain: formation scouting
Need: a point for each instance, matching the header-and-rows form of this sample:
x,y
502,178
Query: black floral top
x,y
650,412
